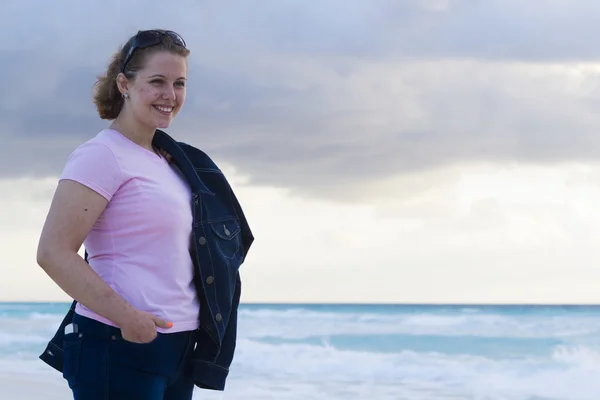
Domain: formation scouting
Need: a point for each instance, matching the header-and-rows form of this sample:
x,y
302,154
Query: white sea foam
x,y
7,339
263,371
316,369
569,374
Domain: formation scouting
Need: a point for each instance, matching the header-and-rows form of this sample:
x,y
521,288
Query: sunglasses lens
x,y
176,38
147,39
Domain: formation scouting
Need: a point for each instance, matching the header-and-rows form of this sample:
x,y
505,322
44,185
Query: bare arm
x,y
74,210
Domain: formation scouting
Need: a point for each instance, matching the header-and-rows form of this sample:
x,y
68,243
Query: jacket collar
x,y
180,158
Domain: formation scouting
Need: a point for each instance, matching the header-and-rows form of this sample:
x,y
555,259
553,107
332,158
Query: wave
x,y
320,370
304,323
8,339
570,373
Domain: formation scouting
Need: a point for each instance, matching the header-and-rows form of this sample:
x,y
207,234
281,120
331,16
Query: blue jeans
x,y
100,364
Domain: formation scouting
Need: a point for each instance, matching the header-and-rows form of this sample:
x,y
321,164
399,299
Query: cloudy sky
x,y
383,150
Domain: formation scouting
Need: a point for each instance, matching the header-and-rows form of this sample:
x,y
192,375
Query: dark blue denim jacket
x,y
221,239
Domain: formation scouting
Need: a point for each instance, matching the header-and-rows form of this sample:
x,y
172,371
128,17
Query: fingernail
x,y
170,324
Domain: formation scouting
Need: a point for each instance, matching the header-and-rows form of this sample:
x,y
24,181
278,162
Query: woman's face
x,y
158,91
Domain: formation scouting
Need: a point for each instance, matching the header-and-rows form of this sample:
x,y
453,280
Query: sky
x,y
415,151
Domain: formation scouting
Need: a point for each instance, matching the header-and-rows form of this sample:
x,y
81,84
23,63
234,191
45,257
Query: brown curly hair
x,y
107,97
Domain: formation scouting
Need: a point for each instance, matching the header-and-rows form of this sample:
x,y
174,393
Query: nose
x,y
169,93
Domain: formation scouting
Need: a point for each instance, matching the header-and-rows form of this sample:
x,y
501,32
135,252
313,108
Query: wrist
x,y
123,312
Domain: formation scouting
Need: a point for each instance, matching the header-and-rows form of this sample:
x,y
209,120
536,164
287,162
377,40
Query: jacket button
x,y
210,280
218,317
202,241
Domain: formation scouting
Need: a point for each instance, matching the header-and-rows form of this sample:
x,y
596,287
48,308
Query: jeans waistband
x,y
99,330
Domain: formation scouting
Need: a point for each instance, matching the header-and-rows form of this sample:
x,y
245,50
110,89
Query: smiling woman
x,y
141,298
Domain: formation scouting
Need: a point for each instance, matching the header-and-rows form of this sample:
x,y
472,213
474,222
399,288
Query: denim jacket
x,y
221,239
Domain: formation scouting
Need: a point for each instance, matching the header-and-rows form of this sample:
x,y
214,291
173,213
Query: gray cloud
x,y
313,97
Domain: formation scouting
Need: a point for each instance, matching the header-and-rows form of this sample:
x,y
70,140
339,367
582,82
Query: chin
x,y
163,125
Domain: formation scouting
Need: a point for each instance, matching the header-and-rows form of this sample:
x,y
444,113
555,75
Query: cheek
x,y
181,96
148,95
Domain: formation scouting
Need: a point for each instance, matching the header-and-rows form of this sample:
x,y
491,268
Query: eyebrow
x,y
164,77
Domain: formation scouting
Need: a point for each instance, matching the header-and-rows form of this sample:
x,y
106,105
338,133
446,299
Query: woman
x,y
138,297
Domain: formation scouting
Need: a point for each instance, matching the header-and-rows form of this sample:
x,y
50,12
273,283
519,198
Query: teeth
x,y
164,109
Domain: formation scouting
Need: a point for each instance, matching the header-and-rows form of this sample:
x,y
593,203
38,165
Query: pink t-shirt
x,y
140,244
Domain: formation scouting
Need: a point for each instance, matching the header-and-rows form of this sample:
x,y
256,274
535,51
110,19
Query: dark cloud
x,y
308,97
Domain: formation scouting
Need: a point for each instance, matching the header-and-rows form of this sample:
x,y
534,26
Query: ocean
x,y
348,352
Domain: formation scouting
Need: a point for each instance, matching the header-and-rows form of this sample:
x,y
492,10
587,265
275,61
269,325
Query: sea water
x,y
371,351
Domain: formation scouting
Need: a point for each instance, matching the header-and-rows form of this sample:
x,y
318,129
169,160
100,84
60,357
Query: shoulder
x,y
99,145
198,157
94,164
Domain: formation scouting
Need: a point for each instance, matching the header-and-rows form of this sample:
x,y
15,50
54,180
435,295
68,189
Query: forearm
x,y
74,276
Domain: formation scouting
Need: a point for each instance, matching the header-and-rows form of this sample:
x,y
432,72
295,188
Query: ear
x,y
122,83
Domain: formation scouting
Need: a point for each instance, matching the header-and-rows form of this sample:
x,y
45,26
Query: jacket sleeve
x,y
212,375
225,357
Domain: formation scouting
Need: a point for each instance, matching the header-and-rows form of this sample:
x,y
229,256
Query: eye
x,y
157,81
180,83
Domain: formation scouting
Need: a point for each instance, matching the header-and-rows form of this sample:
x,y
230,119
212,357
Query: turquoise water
x,y
377,351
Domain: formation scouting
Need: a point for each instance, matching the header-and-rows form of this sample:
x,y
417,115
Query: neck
x,y
137,133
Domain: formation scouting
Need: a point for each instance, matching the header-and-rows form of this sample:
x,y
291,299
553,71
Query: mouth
x,y
165,110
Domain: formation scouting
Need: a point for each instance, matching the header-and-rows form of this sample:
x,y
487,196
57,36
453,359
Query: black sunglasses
x,y
144,39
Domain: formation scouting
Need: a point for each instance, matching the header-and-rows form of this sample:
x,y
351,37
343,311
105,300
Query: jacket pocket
x,y
228,238
71,356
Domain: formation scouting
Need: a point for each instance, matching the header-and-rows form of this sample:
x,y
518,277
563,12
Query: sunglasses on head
x,y
144,39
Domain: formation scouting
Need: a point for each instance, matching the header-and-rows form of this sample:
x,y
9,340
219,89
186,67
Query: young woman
x,y
136,323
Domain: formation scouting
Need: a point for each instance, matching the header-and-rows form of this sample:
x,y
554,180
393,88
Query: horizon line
x,y
461,304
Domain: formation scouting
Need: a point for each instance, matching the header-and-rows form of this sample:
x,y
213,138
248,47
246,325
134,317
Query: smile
x,y
164,109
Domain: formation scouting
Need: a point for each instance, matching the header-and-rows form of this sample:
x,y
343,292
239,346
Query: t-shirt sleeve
x,y
93,164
